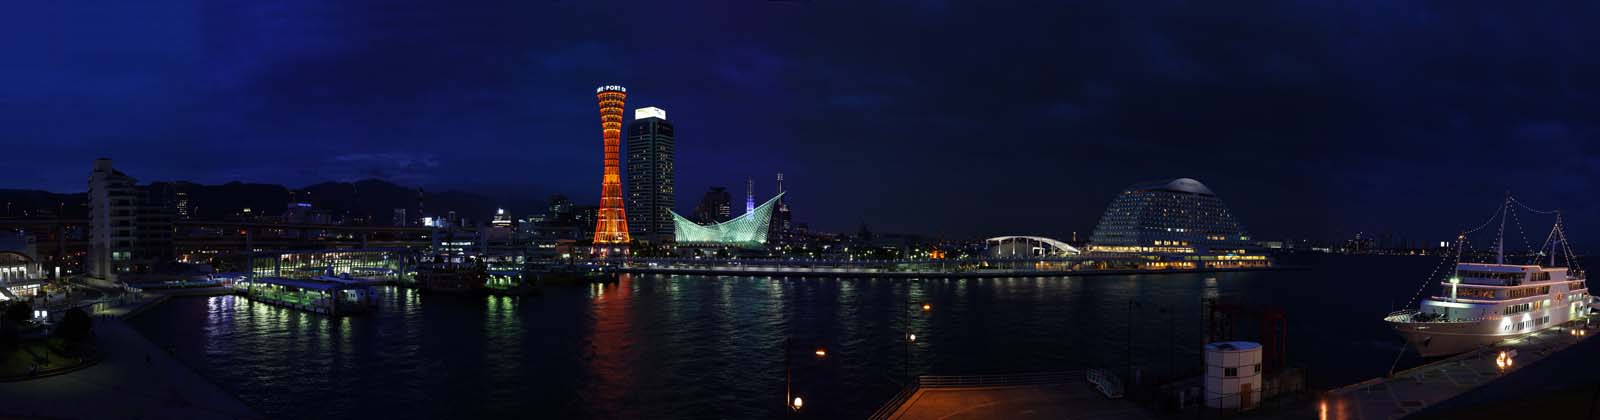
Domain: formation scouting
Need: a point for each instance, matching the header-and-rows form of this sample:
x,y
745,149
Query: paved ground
x,y
136,380
1062,401
1416,389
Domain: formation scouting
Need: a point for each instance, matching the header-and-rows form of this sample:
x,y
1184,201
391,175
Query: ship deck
x,y
1410,391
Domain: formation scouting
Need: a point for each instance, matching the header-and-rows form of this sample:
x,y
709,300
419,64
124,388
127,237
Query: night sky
x,y
1312,119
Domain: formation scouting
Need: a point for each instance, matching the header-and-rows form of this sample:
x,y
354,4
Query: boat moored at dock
x,y
1480,304
319,295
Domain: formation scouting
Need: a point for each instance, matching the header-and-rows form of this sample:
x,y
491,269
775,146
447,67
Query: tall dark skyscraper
x,y
650,175
715,207
780,226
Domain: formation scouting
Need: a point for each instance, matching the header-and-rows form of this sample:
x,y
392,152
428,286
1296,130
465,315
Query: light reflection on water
x,y
703,347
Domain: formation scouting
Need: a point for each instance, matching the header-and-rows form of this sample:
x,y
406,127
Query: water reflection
x,y
713,347
609,355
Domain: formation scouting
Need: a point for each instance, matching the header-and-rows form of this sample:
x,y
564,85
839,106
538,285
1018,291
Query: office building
x,y
131,227
650,176
715,207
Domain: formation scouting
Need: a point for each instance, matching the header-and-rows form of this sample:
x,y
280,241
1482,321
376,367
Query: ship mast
x,y
1500,245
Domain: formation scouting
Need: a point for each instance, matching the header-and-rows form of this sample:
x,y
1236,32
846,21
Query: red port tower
x,y
611,225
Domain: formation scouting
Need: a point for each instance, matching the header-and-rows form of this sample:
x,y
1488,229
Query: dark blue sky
x,y
1312,119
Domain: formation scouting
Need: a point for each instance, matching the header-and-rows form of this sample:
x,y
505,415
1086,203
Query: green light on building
x,y
748,230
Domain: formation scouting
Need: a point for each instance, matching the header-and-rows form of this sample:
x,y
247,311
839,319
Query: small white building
x,y
1233,375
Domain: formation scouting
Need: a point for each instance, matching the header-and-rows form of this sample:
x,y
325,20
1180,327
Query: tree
x,y
18,312
74,330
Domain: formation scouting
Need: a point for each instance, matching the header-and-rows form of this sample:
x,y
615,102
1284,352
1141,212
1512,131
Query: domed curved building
x,y
1176,223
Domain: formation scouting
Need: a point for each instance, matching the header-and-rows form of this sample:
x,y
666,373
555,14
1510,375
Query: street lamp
x,y
911,337
792,399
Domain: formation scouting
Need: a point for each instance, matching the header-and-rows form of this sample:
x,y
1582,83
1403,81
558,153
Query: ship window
x,y
1230,372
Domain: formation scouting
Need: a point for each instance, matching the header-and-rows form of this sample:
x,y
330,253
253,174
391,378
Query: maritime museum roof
x,y
747,230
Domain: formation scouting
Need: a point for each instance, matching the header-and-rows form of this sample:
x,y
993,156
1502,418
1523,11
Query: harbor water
x,y
654,346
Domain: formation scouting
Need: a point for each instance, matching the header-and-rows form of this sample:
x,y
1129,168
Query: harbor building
x,y
1177,223
749,230
372,264
650,175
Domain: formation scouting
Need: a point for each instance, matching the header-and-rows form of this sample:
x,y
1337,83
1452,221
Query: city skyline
x,y
1371,139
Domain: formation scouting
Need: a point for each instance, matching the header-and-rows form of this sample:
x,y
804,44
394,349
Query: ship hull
x,y
1435,339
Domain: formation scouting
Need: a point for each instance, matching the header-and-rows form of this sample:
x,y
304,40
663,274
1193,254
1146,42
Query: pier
x,y
883,272
323,297
1418,389
1048,395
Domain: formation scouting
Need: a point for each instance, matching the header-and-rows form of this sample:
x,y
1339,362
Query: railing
x,y
893,405
1039,378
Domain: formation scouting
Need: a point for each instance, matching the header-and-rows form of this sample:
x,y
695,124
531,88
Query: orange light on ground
x,y
611,224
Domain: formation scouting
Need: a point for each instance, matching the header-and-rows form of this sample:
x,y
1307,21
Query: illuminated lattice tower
x,y
611,225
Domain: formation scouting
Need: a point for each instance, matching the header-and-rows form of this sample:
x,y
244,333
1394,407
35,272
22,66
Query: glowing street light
x,y
797,403
912,338
927,307
821,352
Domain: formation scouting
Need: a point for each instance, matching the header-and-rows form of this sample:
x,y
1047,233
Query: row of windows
x,y
1488,275
1527,291
1522,325
1471,293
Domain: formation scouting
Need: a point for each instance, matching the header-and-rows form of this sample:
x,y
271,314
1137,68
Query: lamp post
x,y
790,398
911,337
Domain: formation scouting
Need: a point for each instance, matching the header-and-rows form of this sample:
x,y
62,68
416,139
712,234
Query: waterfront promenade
x,y
804,271
1417,389
135,380
1046,395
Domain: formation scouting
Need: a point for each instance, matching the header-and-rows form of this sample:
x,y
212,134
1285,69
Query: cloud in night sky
x,y
1312,119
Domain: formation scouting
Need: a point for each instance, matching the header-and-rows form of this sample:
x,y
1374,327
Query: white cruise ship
x,y
1482,304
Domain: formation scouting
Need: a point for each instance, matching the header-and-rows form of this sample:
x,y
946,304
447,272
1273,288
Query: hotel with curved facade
x,y
1176,223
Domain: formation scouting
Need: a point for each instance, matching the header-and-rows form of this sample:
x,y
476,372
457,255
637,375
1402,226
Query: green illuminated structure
x,y
747,230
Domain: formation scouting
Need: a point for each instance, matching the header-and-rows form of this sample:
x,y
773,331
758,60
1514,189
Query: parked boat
x,y
1481,304
465,277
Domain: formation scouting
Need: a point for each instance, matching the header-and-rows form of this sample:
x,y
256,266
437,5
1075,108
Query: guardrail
x,y
974,381
1036,378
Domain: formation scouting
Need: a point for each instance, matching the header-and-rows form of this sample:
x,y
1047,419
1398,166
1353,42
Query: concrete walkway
x,y
1061,401
136,380
1413,390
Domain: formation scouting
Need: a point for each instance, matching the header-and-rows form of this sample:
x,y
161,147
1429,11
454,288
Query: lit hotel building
x,y
1174,224
650,175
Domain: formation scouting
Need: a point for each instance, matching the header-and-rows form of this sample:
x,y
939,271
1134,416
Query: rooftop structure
x,y
747,230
